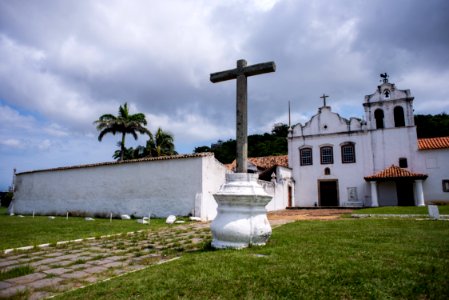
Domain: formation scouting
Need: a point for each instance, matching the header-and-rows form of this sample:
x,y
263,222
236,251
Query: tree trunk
x,y
122,147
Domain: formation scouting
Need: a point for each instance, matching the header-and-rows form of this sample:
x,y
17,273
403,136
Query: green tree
x,y
428,126
280,130
160,144
124,123
202,149
258,145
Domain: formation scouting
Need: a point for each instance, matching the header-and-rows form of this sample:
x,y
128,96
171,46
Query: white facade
x,y
435,163
325,176
281,188
178,185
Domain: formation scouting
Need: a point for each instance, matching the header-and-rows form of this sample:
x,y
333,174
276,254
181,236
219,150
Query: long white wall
x,y
160,187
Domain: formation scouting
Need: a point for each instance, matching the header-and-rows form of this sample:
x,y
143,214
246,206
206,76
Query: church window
x,y
403,162
387,93
327,171
305,156
446,185
327,155
399,116
348,153
379,116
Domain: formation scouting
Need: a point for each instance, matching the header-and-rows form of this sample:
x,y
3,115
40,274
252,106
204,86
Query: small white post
x,y
67,215
110,218
434,213
149,217
33,214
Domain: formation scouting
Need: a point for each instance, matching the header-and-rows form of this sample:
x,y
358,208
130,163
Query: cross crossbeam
x,y
324,99
241,73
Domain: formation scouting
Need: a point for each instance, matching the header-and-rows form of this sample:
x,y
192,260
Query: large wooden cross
x,y
241,73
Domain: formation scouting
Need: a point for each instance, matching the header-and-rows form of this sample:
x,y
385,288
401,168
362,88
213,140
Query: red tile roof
x,y
264,162
433,143
395,172
145,159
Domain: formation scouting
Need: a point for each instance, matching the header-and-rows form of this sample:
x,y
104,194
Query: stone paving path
x,y
63,267
67,266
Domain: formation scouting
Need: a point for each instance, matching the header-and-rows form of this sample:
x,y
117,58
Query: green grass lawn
x,y
443,209
18,232
344,259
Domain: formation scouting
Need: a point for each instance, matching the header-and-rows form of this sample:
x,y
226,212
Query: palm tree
x,y
161,144
124,123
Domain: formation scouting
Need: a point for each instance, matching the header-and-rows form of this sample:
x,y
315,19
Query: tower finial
x,y
384,77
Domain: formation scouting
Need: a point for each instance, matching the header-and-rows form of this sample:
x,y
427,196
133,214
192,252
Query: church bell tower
x,y
388,107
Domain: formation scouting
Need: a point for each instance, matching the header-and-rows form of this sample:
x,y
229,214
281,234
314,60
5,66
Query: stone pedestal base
x,y
241,216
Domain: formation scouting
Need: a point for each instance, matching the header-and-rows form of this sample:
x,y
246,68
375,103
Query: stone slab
x,y
96,269
113,264
44,283
76,275
4,285
8,263
39,295
64,263
12,291
115,258
101,261
57,271
26,279
69,256
45,261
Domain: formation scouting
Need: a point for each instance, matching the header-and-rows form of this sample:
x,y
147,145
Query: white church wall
x,y
435,163
214,176
349,175
388,145
159,187
279,189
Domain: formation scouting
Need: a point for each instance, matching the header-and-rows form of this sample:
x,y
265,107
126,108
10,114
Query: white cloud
x,y
187,126
45,144
56,130
13,143
13,119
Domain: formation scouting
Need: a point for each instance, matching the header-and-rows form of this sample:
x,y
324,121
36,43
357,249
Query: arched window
x,y
379,116
327,155
305,156
399,119
348,153
327,171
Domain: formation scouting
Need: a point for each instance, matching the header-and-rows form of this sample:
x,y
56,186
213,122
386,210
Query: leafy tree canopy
x,y
274,143
428,126
124,123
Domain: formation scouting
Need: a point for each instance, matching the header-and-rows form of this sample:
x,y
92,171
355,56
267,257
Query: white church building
x,y
378,161
332,161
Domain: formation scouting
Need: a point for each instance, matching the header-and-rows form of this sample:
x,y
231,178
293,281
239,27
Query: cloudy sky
x,y
65,63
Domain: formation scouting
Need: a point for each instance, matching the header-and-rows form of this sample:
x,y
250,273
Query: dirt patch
x,y
290,215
